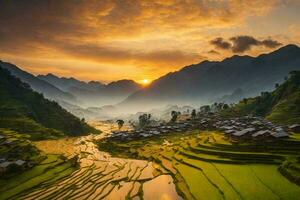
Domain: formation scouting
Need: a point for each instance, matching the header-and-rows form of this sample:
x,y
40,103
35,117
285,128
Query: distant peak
x,y
51,75
235,57
122,81
290,46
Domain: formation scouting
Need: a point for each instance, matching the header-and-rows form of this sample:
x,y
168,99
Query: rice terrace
x,y
185,165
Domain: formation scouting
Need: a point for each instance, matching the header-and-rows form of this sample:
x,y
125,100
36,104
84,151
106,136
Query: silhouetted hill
x,y
48,90
66,83
209,81
26,111
94,93
281,105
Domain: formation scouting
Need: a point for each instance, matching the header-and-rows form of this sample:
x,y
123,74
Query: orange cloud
x,y
117,34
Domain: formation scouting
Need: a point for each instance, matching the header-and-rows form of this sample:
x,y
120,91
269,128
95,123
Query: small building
x,y
261,133
280,134
295,128
245,133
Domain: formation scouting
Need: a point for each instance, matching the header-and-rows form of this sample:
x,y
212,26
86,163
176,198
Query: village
x,y
237,129
16,152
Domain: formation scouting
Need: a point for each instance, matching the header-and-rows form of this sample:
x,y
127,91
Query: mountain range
x,y
210,81
72,92
93,93
207,82
48,90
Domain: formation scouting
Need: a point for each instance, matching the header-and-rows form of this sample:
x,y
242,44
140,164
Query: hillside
x,y
281,105
209,81
48,90
26,111
93,93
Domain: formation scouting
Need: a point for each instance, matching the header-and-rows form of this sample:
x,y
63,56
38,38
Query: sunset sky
x,y
108,40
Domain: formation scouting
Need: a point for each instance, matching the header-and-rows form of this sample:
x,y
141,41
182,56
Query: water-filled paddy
x,y
189,165
207,165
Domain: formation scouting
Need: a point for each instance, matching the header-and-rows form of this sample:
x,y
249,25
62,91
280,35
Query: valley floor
x,y
190,165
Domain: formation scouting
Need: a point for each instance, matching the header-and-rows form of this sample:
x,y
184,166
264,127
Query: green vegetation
x,y
53,168
13,147
208,165
280,106
34,167
26,111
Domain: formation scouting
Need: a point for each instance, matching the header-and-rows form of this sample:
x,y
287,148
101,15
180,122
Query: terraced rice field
x,y
191,165
98,176
208,165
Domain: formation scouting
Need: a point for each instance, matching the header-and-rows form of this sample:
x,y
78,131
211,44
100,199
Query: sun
x,y
145,81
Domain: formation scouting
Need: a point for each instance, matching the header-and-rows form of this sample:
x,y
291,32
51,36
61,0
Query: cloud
x,y
96,30
108,20
214,52
107,54
220,43
270,43
243,43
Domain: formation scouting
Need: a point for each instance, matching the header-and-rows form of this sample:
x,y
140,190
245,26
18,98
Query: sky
x,y
110,40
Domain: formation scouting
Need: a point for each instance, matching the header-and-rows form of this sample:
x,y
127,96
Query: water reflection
x,y
101,176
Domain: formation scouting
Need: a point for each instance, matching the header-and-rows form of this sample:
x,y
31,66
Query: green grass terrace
x,y
208,165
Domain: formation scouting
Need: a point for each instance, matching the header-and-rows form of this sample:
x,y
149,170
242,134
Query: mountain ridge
x,y
48,90
27,111
208,81
93,93
280,106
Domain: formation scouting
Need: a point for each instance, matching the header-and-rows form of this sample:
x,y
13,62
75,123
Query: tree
x,y
276,85
225,106
174,116
120,123
193,114
205,109
144,120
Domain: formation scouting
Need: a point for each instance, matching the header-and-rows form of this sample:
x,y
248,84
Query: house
x,y
243,133
3,166
261,133
229,131
280,134
20,162
295,128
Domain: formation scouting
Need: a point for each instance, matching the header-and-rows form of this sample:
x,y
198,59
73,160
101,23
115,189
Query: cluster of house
x,y
6,164
247,127
151,131
253,128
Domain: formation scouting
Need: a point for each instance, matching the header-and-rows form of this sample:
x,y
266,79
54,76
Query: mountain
x,y
281,105
48,90
24,110
207,82
66,84
93,93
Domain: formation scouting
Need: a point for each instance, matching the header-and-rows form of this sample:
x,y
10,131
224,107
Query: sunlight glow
x,y
145,81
